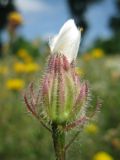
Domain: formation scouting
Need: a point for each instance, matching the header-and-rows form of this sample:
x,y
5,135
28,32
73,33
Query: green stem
x,y
72,140
59,142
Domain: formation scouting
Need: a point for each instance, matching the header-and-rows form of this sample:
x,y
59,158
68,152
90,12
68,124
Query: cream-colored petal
x,y
67,41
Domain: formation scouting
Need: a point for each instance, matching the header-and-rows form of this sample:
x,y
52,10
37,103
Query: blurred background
x,y
25,29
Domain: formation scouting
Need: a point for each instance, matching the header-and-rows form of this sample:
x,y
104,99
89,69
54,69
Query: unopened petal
x,y
67,41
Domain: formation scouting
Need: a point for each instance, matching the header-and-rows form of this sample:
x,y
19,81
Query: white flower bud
x,y
67,41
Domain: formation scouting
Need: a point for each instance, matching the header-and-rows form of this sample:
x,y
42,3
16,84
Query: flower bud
x,y
62,99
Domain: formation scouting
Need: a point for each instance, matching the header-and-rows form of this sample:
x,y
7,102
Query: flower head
x,y
102,156
62,97
15,18
97,53
26,67
24,55
19,67
15,84
31,67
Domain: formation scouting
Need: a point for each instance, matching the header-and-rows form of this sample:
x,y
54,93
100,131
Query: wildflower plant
x,y
61,101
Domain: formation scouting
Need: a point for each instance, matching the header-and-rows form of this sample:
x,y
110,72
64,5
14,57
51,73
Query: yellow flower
x,y
91,128
97,53
19,67
79,71
23,54
26,67
32,67
15,84
15,17
3,69
102,156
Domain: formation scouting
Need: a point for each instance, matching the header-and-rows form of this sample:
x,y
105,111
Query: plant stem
x,y
72,140
59,142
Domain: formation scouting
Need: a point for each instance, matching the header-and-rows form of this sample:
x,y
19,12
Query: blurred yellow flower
x,y
3,69
19,67
94,54
79,71
32,67
102,156
91,128
26,67
97,53
15,17
15,84
24,55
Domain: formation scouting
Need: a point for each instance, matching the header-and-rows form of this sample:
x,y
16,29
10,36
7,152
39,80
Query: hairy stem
x,y
72,140
59,142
